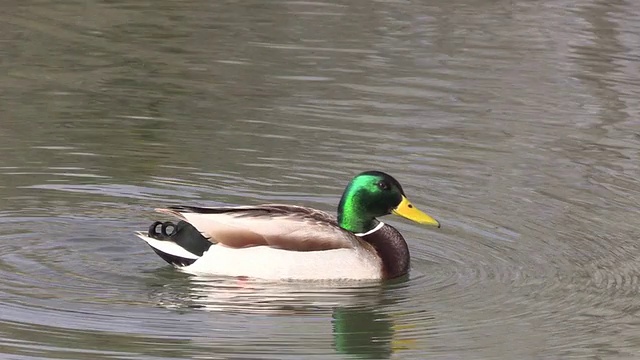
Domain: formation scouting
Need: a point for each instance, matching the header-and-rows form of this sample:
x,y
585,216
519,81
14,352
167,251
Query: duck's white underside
x,y
264,262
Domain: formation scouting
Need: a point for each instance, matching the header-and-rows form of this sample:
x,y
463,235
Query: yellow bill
x,y
407,210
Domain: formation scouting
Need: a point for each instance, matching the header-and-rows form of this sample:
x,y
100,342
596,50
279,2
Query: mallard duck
x,y
275,241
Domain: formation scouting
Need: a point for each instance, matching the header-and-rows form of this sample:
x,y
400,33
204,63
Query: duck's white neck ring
x,y
378,227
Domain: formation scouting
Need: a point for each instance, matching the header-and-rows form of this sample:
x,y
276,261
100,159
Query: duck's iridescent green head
x,y
372,194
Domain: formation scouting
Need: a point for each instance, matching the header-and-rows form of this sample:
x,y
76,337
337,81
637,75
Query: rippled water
x,y
515,123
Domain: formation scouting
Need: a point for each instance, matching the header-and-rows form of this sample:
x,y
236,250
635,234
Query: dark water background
x,y
515,123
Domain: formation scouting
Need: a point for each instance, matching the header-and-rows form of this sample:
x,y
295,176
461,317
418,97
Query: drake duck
x,y
275,241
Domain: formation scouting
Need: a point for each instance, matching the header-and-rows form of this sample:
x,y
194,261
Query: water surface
x,y
515,123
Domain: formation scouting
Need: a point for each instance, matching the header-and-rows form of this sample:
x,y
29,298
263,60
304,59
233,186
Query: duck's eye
x,y
383,185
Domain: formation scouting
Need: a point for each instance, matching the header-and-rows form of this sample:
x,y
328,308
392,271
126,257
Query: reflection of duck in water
x,y
293,242
367,333
356,316
251,296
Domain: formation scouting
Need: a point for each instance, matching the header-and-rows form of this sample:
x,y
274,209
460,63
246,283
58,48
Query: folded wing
x,y
286,227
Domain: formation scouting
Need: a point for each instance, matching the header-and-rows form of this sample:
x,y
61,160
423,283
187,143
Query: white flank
x,y
168,247
263,262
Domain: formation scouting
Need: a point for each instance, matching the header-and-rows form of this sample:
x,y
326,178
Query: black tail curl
x,y
183,234
162,234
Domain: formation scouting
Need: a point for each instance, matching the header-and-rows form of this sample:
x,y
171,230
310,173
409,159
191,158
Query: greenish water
x,y
515,123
